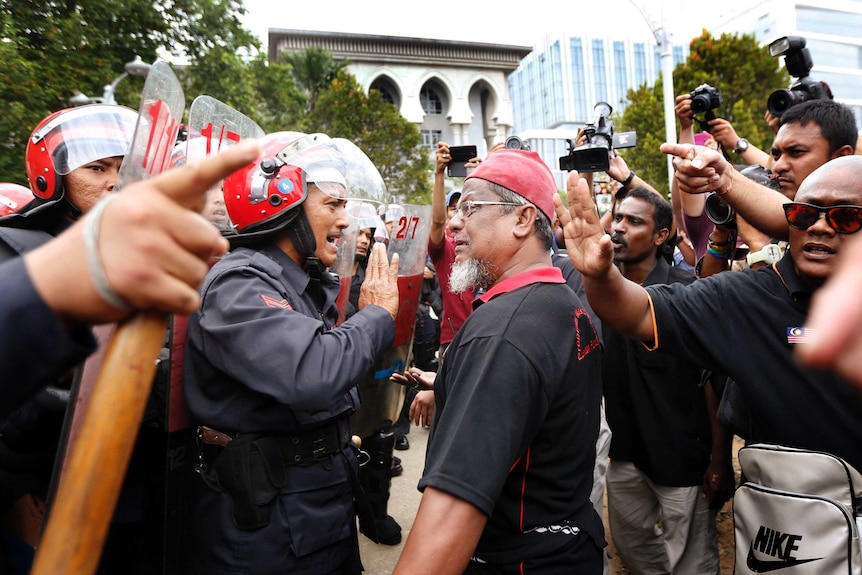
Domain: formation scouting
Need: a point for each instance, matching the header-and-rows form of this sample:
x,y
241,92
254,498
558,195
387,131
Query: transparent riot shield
x,y
213,126
161,111
382,399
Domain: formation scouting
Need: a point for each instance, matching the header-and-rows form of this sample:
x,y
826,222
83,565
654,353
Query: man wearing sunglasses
x,y
810,135
509,468
747,324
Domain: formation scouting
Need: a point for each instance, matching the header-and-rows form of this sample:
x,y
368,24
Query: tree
x,y
736,65
313,70
264,91
50,50
393,143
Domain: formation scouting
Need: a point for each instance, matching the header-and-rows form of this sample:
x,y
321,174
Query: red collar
x,y
548,275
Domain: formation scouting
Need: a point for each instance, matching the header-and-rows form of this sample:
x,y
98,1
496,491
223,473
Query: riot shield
x,y
382,399
160,114
161,110
213,126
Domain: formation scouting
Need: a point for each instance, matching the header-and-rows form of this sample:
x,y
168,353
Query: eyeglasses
x,y
842,219
465,209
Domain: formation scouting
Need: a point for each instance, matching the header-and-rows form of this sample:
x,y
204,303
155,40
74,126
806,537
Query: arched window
x,y
431,103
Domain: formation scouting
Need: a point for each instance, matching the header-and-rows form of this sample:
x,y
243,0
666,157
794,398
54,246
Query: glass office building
x,y
831,29
556,87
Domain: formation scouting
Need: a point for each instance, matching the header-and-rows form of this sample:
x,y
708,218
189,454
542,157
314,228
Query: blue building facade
x,y
556,87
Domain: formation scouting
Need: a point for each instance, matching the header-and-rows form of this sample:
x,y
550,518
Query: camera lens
x,y
779,101
700,103
516,143
718,211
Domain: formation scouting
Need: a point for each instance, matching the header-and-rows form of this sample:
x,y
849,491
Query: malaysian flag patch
x,y
272,302
800,335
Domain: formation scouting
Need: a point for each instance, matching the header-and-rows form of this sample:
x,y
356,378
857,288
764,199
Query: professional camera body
x,y
705,98
594,156
797,60
720,212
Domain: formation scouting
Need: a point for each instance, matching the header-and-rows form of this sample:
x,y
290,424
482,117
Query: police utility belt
x,y
252,467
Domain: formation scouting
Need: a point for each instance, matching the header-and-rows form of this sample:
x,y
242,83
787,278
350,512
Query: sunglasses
x,y
842,219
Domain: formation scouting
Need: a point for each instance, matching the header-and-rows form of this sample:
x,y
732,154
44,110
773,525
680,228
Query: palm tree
x,y
313,69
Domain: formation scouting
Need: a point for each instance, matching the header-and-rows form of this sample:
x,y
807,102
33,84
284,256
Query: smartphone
x,y
458,158
700,138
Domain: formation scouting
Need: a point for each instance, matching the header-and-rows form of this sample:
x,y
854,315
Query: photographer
x,y
810,135
724,134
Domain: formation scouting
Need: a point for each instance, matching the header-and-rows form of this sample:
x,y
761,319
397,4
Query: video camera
x,y
797,60
516,143
594,156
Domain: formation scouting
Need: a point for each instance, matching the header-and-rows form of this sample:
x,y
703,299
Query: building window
x,y
431,103
640,65
599,71
431,137
579,86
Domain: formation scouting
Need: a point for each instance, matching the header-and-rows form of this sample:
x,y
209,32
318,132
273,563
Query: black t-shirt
x,y
517,418
654,404
744,324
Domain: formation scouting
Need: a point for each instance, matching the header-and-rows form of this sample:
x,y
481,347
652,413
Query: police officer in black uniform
x,y
268,374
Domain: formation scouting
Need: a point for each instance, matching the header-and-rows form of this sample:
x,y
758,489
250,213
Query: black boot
x,y
375,478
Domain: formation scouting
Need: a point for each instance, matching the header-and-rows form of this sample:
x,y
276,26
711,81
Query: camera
x,y
720,212
594,155
704,98
797,60
516,143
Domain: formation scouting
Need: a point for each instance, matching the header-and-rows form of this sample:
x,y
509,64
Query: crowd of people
x,y
562,355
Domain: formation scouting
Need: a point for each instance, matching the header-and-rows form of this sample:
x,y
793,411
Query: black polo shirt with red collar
x,y
746,324
517,417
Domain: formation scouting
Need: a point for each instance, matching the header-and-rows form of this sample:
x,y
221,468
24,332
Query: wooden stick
x,y
87,495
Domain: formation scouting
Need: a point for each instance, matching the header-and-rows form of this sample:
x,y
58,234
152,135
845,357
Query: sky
x,y
496,23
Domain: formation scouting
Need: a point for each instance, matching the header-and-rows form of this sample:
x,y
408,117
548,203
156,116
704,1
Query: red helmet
x,y
12,197
261,197
71,138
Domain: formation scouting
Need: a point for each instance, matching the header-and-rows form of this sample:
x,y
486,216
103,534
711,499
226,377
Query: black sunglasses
x,y
842,219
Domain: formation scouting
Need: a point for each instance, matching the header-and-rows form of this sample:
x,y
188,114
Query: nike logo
x,y
760,566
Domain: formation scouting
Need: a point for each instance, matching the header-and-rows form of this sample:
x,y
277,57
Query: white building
x,y
457,92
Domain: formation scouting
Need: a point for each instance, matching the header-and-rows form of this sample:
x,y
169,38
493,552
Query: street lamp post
x,y
663,38
136,67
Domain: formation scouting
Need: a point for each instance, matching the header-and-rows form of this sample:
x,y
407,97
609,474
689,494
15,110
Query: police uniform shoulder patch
x,y
270,301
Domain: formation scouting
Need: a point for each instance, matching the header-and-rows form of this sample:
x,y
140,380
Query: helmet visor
x,y
88,134
339,168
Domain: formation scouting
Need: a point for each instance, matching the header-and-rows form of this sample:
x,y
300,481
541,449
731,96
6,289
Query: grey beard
x,y
470,274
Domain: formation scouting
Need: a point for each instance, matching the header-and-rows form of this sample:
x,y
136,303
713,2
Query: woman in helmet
x,y
271,376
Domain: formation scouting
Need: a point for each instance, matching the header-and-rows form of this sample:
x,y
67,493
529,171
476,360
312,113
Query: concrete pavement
x,y
403,502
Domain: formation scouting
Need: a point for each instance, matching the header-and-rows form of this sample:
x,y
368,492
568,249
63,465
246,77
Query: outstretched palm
x,y
587,244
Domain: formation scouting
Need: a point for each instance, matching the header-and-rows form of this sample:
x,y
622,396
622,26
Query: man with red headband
x,y
509,468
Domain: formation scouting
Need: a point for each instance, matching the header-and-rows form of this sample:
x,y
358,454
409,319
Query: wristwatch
x,y
741,146
770,254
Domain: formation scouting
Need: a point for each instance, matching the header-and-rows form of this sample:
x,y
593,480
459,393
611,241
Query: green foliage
x,y
393,143
645,114
313,70
261,90
50,50
738,66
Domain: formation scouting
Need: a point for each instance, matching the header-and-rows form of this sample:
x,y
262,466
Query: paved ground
x,y
403,502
